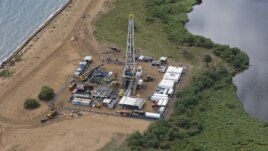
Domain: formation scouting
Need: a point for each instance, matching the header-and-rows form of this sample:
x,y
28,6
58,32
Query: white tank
x,y
152,115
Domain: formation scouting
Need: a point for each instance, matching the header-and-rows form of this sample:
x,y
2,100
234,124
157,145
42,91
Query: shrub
x,y
5,73
46,93
31,104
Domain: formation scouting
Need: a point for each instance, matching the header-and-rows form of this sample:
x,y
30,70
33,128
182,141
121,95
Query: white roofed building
x,y
131,103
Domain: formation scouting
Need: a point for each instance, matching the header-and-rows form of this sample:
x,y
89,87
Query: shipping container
x,y
81,102
85,96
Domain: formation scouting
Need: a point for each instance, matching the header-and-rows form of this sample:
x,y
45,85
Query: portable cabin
x,y
166,84
84,96
175,70
157,98
172,77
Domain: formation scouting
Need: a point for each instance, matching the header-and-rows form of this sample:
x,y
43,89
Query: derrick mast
x,y
129,73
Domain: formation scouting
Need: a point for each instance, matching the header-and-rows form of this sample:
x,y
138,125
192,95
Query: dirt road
x,y
49,59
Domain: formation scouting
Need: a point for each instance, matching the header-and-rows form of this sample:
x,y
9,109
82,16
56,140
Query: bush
x,y
5,73
46,93
31,104
238,59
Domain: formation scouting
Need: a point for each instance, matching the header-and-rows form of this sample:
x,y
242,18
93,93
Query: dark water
x,y
242,24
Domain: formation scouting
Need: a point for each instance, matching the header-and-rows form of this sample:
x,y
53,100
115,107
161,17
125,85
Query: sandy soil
x,y
87,133
50,59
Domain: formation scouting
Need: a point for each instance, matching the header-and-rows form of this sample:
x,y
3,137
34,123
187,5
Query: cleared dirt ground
x,y
50,59
87,133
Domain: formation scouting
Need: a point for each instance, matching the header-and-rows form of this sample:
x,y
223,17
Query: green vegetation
x,y
207,113
239,60
31,104
5,73
207,59
46,93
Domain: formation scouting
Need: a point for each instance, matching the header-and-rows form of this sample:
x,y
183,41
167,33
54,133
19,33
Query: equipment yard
x,y
108,81
134,86
102,91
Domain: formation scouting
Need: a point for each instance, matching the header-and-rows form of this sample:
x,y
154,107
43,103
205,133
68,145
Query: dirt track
x,y
50,59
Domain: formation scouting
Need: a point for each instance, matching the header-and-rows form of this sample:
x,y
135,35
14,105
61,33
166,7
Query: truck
x,y
51,114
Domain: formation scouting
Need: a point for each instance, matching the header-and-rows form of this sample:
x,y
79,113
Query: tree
x,y
31,104
46,93
207,59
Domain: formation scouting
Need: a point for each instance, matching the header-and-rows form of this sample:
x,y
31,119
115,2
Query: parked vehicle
x,y
162,69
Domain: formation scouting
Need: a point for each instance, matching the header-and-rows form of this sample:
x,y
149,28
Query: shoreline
x,y
27,40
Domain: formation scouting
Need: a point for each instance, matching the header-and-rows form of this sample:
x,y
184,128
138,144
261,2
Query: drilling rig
x,y
129,74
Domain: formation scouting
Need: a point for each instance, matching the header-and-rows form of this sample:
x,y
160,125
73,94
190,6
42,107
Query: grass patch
x,y
116,142
151,38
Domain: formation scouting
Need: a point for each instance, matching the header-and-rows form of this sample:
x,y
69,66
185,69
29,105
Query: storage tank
x,y
152,115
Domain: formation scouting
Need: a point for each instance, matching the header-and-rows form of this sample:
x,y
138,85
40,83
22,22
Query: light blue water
x,y
20,18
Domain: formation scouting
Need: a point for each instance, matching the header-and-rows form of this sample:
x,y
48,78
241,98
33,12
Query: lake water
x,y
20,18
242,24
